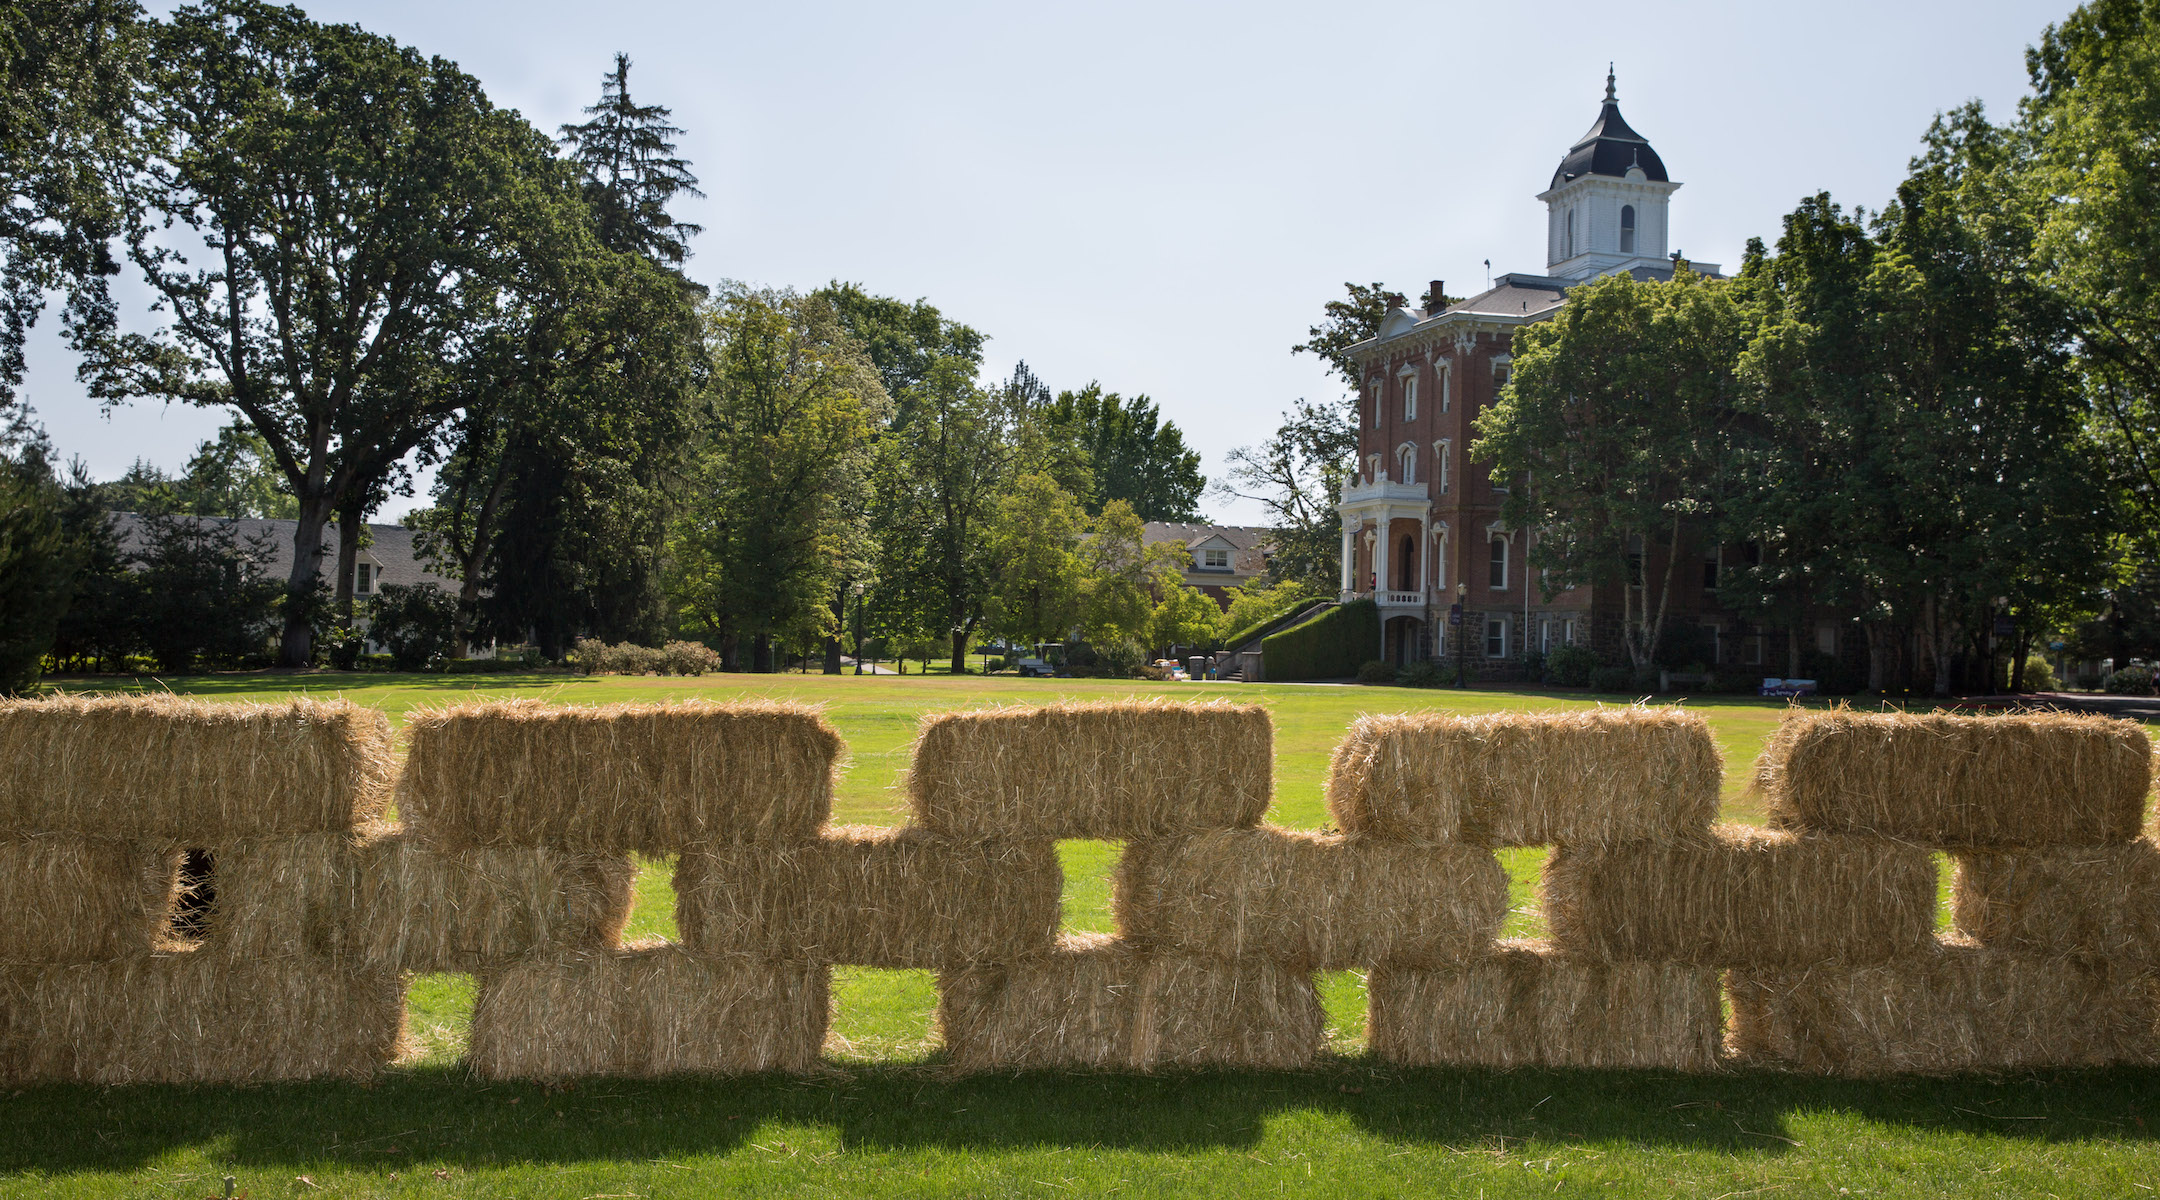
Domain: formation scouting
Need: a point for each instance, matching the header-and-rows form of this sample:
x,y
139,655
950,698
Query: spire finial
x,y
1610,95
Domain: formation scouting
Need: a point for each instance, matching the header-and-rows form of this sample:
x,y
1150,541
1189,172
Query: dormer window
x,y
1627,229
1214,558
363,578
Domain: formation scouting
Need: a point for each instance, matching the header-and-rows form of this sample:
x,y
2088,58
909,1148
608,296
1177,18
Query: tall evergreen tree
x,y
626,155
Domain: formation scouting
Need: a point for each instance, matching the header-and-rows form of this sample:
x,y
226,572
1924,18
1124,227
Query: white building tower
x,y
1607,202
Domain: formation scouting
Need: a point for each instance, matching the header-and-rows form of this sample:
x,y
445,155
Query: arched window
x,y
1409,398
1406,564
1627,229
1406,462
1440,465
1499,563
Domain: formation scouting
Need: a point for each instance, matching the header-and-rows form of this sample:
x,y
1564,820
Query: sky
x,y
1161,196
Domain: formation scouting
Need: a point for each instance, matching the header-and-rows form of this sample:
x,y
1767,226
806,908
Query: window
x,y
1440,464
1709,572
1440,565
1446,399
1406,462
1499,563
1500,375
1544,634
1215,559
1826,638
1496,637
1409,398
1567,632
1712,638
364,577
1754,650
1627,229
1570,234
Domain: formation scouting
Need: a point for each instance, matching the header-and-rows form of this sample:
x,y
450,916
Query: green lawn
x,y
886,1119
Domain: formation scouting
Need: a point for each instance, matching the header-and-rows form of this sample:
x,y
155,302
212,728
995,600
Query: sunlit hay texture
x,y
1964,1008
1314,901
2096,903
648,1011
76,899
1999,782
188,771
284,897
1124,769
651,778
1097,1003
424,909
1747,897
1526,1005
872,897
1586,777
190,1018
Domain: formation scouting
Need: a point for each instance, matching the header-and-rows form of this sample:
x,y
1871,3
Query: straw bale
x,y
648,1011
190,771
424,909
650,778
2001,782
1319,902
1110,770
76,899
1526,1005
190,1018
1746,897
1098,1002
2100,903
872,897
1585,777
284,897
1962,1008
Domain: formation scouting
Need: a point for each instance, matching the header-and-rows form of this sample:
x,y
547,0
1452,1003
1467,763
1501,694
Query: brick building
x,y
1422,524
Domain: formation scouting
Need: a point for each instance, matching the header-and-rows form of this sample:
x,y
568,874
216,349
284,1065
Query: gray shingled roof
x,y
389,547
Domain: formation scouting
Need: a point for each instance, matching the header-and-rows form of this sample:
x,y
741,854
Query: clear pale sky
x,y
1161,196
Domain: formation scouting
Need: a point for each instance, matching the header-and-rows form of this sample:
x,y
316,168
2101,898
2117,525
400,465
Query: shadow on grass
x,y
439,1115
259,683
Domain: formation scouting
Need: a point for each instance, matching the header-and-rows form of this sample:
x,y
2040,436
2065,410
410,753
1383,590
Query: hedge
x,y
1330,646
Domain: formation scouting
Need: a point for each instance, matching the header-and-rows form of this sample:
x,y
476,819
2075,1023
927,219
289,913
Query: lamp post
x,y
1457,619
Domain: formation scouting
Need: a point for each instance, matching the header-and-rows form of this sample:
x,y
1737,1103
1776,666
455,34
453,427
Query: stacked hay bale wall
x,y
2056,899
521,819
100,798
1167,992
1625,788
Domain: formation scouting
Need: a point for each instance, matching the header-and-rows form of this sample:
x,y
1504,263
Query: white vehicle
x,y
1031,667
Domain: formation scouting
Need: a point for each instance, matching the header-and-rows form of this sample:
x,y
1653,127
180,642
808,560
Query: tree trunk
x,y
959,651
296,646
761,653
2018,650
832,642
1875,656
348,554
730,651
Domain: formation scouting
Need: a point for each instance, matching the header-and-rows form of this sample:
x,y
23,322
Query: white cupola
x,y
1606,206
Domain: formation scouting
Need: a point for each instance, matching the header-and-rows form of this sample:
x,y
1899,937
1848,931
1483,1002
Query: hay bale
x,y
1123,769
1318,902
1527,1006
75,899
1098,1002
190,1018
1585,777
649,1011
424,909
2098,903
1957,783
284,897
190,772
872,897
649,778
1745,897
1962,1008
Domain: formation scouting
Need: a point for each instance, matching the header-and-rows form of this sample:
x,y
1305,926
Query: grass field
x,y
886,1119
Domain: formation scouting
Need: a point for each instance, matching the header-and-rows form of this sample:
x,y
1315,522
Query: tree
x,y
1610,431
1130,453
941,471
794,402
1040,584
200,592
37,567
904,341
364,211
1185,617
626,156
1348,322
68,70
235,475
1297,476
1125,575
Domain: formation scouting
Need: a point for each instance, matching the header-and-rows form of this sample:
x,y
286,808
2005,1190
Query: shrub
x,y
1329,646
1570,666
1422,674
2130,681
1253,609
2039,675
595,657
416,623
1375,671
688,658
1611,679
1120,659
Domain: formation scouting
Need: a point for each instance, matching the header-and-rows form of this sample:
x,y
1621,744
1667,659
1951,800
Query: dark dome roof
x,y
1609,148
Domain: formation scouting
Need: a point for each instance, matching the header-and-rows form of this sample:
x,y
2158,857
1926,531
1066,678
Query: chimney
x,y
1436,297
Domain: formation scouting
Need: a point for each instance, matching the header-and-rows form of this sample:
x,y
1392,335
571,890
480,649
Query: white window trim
x,y
1507,560
1501,622
366,576
1372,468
1441,455
1207,553
1447,386
1406,461
1408,375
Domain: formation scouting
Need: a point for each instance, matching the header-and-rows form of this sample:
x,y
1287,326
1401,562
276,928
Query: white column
x,y
1349,559
1380,556
1424,549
